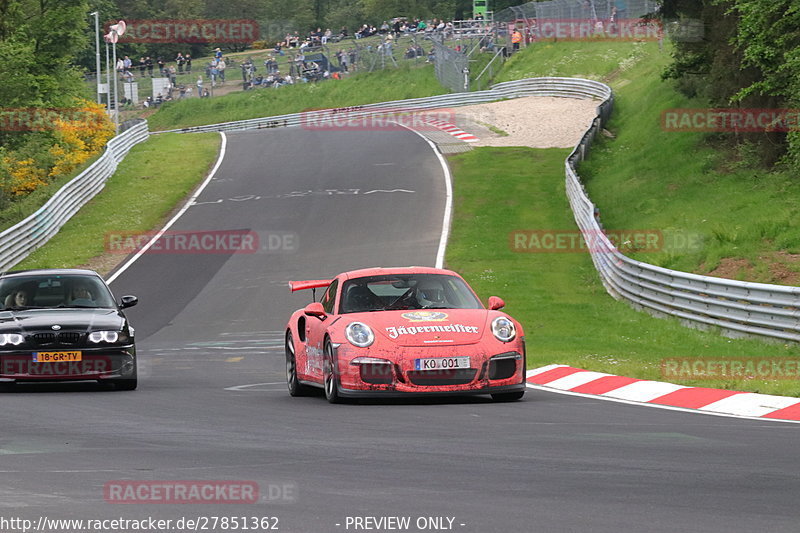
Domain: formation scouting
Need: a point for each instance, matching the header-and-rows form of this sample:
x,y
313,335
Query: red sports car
x,y
400,331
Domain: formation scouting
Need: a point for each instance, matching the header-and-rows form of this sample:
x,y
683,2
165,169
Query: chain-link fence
x,y
592,10
451,66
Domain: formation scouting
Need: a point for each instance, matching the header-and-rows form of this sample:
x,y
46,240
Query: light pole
x,y
108,77
114,33
97,51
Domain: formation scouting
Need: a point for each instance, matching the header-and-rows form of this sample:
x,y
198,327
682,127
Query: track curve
x,y
212,402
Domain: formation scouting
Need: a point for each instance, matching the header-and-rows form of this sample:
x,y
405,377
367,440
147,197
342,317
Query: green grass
x,y
596,60
567,315
18,210
742,219
136,198
394,84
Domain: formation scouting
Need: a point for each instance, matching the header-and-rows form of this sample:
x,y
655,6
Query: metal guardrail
x,y
734,306
563,87
27,235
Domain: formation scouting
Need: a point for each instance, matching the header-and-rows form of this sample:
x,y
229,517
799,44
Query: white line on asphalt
x,y
448,206
186,205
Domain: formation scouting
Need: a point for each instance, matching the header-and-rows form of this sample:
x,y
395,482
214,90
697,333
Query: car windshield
x,y
39,291
406,291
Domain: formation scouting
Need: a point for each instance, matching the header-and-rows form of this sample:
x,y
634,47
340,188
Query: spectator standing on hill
x,y
179,60
516,38
149,63
221,65
200,86
142,67
188,59
161,67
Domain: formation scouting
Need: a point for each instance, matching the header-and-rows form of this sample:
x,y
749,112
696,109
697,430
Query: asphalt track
x,y
212,403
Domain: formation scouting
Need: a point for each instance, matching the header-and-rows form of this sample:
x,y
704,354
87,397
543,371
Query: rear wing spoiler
x,y
309,284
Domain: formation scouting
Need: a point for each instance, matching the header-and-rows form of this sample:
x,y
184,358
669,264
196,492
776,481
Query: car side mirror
x,y
315,309
496,303
128,301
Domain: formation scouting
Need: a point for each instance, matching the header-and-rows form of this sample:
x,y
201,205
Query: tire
x,y
329,375
508,396
292,383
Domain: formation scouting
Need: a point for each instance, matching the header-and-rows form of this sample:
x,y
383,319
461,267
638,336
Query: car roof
x,y
379,271
49,272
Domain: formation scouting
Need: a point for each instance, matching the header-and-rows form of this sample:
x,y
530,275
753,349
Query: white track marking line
x,y
750,404
576,380
186,206
448,207
657,406
644,391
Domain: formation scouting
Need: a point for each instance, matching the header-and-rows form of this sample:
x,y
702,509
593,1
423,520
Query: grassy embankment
x,y
381,86
645,178
567,314
137,198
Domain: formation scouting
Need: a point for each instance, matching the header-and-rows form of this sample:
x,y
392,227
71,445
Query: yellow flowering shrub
x,y
80,138
23,176
77,135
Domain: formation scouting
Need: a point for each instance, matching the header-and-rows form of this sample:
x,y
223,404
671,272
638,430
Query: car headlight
x,y
359,334
503,329
11,339
104,336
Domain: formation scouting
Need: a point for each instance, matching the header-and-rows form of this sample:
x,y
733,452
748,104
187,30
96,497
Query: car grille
x,y
432,378
502,368
62,338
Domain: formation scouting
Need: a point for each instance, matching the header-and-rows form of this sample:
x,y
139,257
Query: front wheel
x,y
329,372
508,396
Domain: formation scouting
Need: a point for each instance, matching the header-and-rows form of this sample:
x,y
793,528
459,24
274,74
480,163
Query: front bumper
x,y
489,373
392,393
97,363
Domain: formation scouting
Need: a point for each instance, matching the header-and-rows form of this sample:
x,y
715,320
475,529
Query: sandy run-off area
x,y
535,121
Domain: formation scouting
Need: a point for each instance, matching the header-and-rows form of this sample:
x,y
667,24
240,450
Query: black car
x,y
64,325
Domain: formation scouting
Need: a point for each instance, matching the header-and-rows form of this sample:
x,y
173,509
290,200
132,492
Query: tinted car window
x,y
407,291
49,291
330,297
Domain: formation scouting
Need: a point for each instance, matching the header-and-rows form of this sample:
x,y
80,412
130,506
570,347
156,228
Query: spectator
x,y
327,35
149,63
142,67
161,66
188,59
516,38
180,61
200,86
221,65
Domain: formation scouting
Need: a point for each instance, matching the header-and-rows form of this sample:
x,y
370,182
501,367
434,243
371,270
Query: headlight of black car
x,y
109,337
11,339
